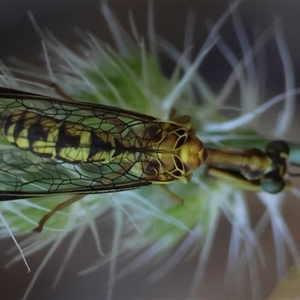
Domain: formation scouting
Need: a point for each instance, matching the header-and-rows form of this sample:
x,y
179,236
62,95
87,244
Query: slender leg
x,y
61,93
57,208
235,179
175,198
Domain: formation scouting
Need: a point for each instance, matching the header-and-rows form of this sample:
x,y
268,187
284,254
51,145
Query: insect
x,y
53,146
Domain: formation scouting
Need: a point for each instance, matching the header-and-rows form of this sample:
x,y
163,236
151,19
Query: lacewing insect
x,y
53,146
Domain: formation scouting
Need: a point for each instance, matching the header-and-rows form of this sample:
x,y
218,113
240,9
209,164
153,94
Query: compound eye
x,y
272,183
277,147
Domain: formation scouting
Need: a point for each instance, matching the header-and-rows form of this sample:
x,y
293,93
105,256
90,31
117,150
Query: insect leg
x,y
126,166
57,208
178,200
235,179
61,93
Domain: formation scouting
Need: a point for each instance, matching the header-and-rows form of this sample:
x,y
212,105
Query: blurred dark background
x,y
19,39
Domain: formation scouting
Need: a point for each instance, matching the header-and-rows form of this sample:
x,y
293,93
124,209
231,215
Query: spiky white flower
x,y
148,227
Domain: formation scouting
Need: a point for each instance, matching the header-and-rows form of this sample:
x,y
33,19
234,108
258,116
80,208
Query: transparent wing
x,y
24,174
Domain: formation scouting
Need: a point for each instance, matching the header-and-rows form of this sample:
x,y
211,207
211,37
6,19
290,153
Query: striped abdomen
x,y
60,139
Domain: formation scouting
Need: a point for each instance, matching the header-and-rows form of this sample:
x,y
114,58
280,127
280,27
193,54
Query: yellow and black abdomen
x,y
59,139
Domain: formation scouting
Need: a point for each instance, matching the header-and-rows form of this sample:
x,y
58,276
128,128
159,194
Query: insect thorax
x,y
175,152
